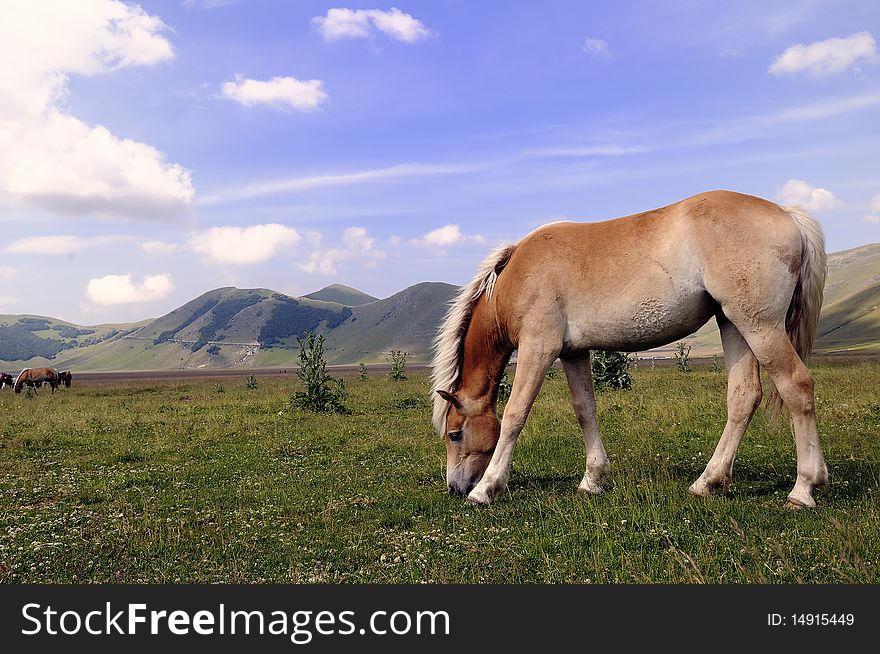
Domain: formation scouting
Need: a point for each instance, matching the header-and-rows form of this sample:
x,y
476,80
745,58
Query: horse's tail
x,y
446,366
806,302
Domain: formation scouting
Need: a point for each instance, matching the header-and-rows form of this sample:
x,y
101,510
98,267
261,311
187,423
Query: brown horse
x,y
632,284
36,377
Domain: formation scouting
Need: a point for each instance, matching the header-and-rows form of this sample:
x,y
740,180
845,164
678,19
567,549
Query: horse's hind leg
x,y
743,398
795,385
583,399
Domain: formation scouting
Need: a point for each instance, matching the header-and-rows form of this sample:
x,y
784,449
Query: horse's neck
x,y
485,353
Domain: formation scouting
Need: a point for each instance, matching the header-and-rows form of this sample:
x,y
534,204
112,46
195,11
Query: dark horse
x,y
6,380
631,284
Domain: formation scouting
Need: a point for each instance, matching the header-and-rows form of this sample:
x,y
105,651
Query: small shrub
x,y
397,359
362,372
218,388
504,388
250,382
321,393
29,392
716,367
611,370
553,373
213,350
682,353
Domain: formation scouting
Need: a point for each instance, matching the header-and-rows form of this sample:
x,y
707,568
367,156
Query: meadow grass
x,y
176,482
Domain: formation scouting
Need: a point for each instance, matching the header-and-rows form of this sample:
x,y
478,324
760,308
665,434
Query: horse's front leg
x,y
533,362
583,399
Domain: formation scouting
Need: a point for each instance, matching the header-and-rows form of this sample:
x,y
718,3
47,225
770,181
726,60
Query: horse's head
x,y
472,431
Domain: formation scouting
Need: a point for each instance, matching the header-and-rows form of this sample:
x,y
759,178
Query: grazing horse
x,y
36,377
65,377
6,380
631,284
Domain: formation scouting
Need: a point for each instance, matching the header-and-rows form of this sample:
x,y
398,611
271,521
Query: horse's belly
x,y
633,324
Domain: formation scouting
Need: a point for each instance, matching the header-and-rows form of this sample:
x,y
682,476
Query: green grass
x,y
175,482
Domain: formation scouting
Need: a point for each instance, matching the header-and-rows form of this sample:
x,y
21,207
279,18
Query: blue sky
x,y
152,152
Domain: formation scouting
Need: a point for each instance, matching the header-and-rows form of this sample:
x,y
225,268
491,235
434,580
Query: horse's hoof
x,y
700,489
478,497
593,489
795,504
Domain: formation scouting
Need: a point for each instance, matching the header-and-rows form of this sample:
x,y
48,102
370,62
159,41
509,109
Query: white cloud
x,y
278,92
59,245
596,47
48,157
826,57
343,23
799,193
357,244
6,300
159,247
442,237
244,245
120,289
7,273
874,209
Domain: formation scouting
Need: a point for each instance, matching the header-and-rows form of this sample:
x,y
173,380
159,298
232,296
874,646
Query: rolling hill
x,y
232,327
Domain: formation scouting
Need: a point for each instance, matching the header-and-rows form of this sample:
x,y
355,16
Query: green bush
x,y
611,370
397,359
250,382
321,393
682,353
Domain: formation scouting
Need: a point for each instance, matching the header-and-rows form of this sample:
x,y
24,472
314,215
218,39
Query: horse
x,y
6,380
36,377
631,284
65,377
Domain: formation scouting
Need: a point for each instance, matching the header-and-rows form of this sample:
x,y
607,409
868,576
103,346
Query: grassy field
x,y
193,482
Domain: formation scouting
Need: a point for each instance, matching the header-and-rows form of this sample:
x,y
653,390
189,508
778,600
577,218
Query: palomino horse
x,y
35,377
632,284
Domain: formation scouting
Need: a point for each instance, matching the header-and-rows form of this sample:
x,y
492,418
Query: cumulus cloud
x,y
826,57
52,159
343,23
356,245
120,289
797,192
159,247
244,245
59,245
596,47
442,237
278,92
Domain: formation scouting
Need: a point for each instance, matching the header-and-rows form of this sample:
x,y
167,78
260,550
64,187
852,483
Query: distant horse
x,y
6,380
36,377
632,284
66,378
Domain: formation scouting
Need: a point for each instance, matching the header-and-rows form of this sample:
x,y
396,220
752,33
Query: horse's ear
x,y
449,397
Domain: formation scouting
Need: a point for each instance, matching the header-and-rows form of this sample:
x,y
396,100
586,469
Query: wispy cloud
x,y
828,57
61,244
356,245
596,48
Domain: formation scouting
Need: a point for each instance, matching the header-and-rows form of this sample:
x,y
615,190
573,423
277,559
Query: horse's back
x,y
646,279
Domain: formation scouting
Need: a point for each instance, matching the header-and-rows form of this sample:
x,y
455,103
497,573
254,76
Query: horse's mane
x,y
446,367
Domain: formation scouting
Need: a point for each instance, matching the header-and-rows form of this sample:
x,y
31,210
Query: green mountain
x,y
341,294
232,327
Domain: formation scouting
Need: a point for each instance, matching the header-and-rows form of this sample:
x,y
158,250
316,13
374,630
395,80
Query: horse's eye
x,y
454,436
